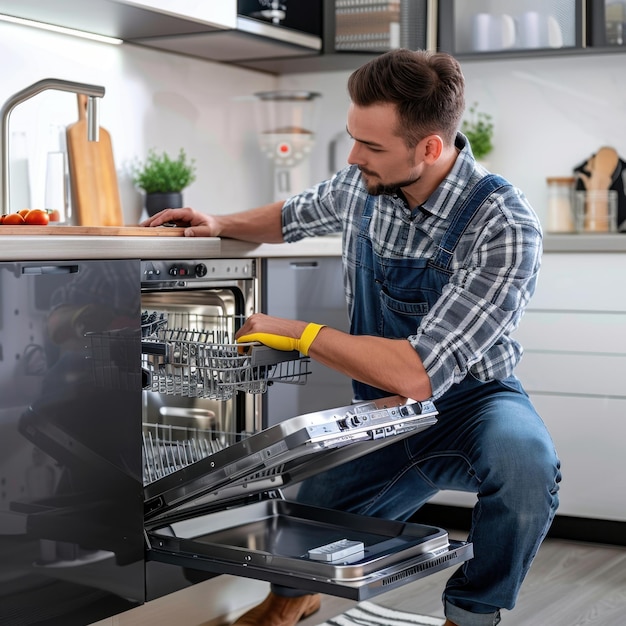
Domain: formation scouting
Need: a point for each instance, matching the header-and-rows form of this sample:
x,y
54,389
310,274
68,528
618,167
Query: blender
x,y
286,123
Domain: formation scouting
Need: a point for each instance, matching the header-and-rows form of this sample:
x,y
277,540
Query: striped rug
x,y
368,614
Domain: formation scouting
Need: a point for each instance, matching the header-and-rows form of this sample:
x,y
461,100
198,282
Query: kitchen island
x,y
572,368
570,374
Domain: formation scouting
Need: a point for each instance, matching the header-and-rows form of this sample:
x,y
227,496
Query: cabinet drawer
x,y
581,282
575,374
564,331
589,438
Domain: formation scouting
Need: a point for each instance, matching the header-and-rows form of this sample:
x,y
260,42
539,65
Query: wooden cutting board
x,y
93,231
93,179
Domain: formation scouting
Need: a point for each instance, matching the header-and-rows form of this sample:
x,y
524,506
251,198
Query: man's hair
x,y
426,87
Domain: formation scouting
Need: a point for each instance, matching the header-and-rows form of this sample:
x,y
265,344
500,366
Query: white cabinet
x,y
574,368
222,14
128,19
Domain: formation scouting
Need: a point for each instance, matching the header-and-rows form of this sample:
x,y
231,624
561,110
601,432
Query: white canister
x,y
492,32
560,209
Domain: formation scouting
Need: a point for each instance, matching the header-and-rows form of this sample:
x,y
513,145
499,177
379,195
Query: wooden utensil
x,y
601,167
93,179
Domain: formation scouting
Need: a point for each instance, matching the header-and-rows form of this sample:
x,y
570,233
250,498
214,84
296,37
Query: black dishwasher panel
x,y
71,514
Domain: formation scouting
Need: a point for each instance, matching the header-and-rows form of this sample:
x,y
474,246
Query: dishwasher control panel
x,y
190,271
368,421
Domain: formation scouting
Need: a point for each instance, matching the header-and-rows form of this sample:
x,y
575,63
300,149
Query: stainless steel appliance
x,y
189,298
287,125
191,309
213,493
306,288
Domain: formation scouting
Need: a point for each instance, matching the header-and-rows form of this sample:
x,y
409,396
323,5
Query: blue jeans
x,y
490,441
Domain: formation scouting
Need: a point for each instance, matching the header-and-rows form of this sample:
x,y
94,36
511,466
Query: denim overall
x,y
392,295
489,440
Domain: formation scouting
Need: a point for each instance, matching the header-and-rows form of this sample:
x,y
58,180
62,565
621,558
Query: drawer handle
x,y
303,265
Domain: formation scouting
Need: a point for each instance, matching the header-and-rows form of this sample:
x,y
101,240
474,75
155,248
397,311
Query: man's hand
x,y
278,333
196,224
260,225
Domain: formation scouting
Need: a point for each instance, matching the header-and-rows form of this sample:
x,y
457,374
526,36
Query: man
x,y
440,260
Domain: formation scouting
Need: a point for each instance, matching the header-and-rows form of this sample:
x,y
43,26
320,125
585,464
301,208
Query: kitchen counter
x,y
585,243
61,247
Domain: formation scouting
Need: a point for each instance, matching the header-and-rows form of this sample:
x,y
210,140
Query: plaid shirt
x,y
494,267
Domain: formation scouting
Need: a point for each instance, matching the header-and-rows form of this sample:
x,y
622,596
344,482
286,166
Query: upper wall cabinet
x,y
127,19
264,30
355,31
485,26
495,28
220,30
607,24
286,36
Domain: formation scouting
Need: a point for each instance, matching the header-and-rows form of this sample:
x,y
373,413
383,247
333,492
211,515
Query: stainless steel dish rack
x,y
167,448
209,363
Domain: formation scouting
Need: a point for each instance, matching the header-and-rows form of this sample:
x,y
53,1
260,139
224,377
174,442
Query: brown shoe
x,y
280,611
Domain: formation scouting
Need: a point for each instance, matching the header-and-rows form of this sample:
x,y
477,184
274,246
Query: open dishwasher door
x,y
224,513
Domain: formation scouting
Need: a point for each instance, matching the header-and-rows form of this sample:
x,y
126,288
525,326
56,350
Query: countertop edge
x,y
313,246
608,243
36,248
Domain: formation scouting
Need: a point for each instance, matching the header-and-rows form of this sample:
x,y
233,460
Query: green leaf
x,y
478,128
161,174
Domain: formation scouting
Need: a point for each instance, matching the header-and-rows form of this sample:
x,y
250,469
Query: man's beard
x,y
389,189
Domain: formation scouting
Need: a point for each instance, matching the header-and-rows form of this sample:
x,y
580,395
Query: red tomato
x,y
37,217
23,212
54,215
13,219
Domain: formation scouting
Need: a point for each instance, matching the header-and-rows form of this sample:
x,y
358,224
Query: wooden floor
x,y
570,584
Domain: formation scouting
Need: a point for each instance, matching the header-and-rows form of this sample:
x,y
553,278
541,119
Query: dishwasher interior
x,y
200,384
214,478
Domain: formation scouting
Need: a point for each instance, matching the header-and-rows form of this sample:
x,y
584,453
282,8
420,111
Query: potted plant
x,y
478,128
163,179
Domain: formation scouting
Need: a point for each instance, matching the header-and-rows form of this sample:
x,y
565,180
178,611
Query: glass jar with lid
x,y
560,208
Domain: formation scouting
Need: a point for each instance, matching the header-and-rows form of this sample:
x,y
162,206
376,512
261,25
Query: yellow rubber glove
x,y
280,342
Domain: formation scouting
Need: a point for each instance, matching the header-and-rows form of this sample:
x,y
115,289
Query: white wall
x,y
550,114
153,100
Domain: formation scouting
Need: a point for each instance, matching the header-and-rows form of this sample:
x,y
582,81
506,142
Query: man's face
x,y
382,156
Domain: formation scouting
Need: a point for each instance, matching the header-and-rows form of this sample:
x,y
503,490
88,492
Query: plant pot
x,y
156,202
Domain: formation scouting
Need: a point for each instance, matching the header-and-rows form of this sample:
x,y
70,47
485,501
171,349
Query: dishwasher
x,y
214,479
133,457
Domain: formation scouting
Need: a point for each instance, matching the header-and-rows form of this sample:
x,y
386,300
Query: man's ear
x,y
431,148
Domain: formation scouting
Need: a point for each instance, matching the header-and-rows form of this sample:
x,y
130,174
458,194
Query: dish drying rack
x,y
196,356
167,448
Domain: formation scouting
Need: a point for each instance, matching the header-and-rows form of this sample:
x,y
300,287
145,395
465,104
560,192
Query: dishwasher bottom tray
x,y
274,541
225,513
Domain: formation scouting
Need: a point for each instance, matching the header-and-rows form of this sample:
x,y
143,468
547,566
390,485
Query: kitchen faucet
x,y
93,92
